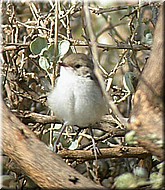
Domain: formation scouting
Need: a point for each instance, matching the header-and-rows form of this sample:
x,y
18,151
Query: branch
x,y
105,10
106,47
38,118
117,152
95,56
147,115
112,9
43,166
107,123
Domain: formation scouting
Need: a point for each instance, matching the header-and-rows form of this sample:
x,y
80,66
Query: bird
x,y
77,98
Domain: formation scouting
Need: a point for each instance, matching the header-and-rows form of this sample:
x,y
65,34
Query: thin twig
x,y
107,47
96,64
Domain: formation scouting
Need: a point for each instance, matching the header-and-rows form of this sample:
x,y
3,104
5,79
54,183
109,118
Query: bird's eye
x,y
77,66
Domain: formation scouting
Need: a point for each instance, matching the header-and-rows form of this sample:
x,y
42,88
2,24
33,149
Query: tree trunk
x,y
147,115
43,166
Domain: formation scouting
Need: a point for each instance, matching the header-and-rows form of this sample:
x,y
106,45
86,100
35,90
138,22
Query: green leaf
x,y
148,38
130,80
140,172
131,138
48,53
58,126
37,45
51,49
125,181
63,47
44,63
51,52
44,52
73,145
157,180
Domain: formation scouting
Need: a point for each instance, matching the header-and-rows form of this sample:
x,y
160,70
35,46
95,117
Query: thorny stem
x,y
96,63
55,59
55,42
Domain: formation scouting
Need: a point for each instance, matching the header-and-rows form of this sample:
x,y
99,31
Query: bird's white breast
x,y
76,100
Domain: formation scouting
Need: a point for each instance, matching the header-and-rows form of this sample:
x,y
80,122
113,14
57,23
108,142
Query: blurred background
x,y
124,33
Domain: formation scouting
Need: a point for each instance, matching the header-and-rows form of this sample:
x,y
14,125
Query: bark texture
x,y
43,166
147,115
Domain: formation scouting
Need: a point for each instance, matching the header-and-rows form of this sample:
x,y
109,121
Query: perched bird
x,y
77,98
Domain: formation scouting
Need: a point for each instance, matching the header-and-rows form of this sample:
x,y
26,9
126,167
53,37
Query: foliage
x,y
124,34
